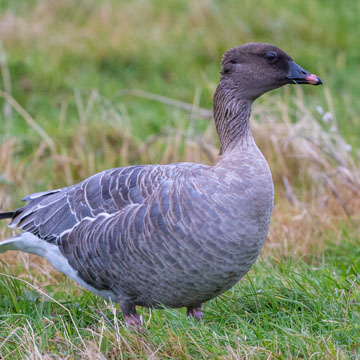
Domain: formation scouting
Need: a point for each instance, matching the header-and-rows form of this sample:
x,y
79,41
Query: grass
x,y
111,46
70,75
284,309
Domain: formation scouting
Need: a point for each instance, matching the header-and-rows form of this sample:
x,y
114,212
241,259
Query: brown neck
x,y
232,114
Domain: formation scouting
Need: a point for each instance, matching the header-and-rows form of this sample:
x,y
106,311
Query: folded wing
x,y
48,214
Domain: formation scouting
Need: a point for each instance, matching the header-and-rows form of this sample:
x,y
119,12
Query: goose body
x,y
175,235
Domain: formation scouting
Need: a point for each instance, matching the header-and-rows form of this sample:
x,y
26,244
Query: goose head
x,y
247,72
252,69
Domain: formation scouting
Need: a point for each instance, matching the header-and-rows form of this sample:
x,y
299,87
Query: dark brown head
x,y
255,68
248,71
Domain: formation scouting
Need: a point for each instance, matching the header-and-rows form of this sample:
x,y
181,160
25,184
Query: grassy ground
x,y
68,74
284,309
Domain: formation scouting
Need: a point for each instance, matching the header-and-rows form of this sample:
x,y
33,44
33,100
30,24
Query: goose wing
x,y
49,214
126,251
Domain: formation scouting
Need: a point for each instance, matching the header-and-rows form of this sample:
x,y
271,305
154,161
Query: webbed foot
x,y
195,311
133,320
130,315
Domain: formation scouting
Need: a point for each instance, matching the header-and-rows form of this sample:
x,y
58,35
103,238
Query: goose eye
x,y
271,56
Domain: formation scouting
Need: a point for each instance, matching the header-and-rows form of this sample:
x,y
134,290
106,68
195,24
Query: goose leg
x,y
131,316
195,311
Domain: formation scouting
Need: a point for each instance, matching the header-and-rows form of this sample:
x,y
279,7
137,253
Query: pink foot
x,y
130,315
194,311
133,320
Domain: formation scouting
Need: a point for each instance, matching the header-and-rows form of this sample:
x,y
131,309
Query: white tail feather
x,y
9,244
32,244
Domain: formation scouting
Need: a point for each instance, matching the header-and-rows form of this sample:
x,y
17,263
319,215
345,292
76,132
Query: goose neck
x,y
232,114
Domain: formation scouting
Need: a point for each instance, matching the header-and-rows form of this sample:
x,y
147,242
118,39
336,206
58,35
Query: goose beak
x,y
297,75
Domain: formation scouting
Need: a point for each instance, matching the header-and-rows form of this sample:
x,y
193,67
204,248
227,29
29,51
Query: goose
x,y
173,235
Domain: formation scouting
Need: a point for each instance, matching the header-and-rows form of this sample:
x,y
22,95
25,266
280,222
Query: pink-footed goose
x,y
174,235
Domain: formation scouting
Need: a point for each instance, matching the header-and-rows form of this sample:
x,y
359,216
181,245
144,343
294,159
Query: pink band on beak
x,y
313,79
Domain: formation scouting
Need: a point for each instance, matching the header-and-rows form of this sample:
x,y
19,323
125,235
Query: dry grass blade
x,y
348,298
289,192
5,340
49,297
195,110
29,120
6,78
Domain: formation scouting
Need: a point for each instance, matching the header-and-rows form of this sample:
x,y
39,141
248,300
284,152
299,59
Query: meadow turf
x,y
68,109
284,309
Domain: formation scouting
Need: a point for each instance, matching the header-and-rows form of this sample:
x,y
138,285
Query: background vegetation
x,y
76,88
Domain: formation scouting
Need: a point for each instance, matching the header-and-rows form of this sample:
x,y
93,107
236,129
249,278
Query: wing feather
x,y
51,213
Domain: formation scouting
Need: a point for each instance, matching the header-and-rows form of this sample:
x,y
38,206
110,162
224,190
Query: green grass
x,y
171,49
284,309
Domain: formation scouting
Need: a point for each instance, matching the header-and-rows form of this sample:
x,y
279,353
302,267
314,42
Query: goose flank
x,y
174,235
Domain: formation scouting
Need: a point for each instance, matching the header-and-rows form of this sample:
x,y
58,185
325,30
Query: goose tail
x,y
25,242
13,243
7,215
